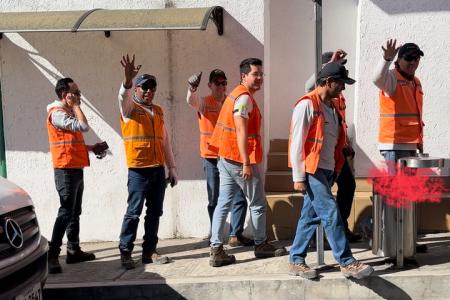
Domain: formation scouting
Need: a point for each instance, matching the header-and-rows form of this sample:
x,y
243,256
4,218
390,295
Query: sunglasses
x,y
222,83
145,88
411,57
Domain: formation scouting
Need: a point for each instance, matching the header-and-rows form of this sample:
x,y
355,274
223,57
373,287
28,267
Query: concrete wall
x,y
422,22
31,63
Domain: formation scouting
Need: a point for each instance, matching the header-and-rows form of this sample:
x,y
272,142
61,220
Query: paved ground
x,y
190,276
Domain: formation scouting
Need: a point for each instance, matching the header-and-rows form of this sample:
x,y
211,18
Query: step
x,y
279,181
278,145
277,161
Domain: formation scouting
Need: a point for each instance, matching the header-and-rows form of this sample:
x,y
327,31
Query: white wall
x,y
31,63
427,24
290,48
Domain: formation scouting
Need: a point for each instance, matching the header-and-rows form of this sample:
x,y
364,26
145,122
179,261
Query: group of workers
x,y
231,152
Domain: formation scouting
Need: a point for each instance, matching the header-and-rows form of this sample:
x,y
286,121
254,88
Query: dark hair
x,y
321,81
62,86
245,68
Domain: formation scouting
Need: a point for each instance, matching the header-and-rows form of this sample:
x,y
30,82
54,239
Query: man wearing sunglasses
x,y
401,100
148,151
208,109
401,96
66,123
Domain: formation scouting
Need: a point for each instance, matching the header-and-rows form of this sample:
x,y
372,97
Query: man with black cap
x,y
346,181
401,98
148,150
316,141
208,109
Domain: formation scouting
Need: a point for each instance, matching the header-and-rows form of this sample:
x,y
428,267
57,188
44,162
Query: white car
x,y
23,251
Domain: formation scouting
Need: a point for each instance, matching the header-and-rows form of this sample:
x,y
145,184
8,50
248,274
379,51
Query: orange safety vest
x,y
401,114
67,147
224,138
207,120
143,137
314,139
339,104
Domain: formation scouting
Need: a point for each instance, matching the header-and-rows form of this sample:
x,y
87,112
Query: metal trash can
x,y
395,228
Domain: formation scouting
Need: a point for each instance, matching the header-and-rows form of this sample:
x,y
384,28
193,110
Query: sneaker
x,y
265,249
154,257
353,237
218,257
53,265
235,241
302,270
126,260
77,256
356,270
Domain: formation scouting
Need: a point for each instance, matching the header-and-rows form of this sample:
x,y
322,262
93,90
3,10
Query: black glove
x,y
99,149
194,80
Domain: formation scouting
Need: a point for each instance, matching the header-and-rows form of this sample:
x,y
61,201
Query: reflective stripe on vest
x,y
207,119
314,139
67,147
224,138
143,137
401,113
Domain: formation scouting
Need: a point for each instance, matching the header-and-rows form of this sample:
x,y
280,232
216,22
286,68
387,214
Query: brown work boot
x,y
53,265
356,270
265,250
236,241
302,270
154,257
218,257
126,260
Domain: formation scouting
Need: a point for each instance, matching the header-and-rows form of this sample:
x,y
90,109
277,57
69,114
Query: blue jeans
x,y
232,183
70,185
145,185
239,209
319,206
391,157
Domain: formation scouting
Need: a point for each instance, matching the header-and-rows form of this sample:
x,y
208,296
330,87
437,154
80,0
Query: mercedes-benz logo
x,y
14,235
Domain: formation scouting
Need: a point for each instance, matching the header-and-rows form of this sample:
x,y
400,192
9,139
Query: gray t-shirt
x,y
330,138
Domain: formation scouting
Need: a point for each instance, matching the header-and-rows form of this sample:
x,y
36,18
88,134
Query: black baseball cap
x,y
336,71
146,78
409,49
215,74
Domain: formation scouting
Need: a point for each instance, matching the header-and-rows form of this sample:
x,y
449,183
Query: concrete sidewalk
x,y
189,275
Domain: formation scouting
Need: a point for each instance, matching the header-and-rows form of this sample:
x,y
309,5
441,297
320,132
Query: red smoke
x,y
407,186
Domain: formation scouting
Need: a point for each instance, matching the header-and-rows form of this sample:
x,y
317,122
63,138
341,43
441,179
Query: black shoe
x,y
353,237
53,265
77,256
126,260
421,248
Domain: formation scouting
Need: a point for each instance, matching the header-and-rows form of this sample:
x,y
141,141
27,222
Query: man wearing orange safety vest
x,y
148,150
316,141
208,109
346,183
65,124
401,98
237,141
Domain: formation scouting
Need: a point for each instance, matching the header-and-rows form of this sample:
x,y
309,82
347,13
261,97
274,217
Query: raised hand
x,y
194,80
130,70
338,56
390,51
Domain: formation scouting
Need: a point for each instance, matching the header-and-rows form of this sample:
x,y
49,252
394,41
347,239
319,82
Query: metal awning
x,y
108,20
